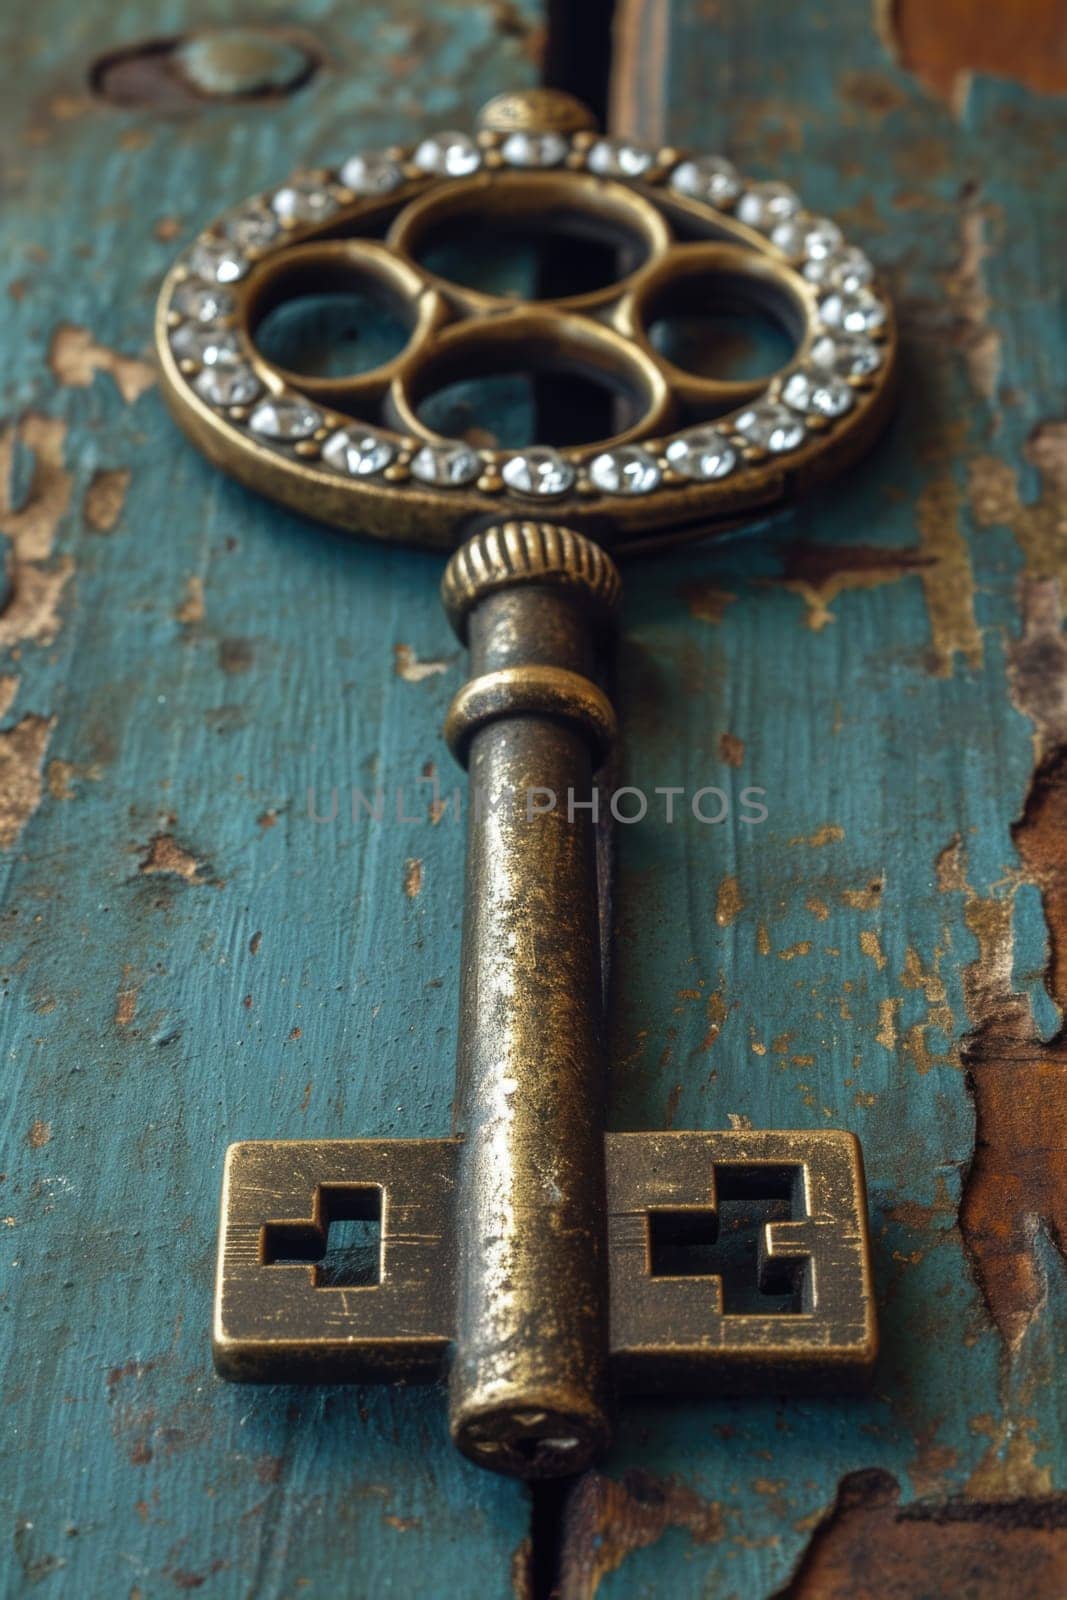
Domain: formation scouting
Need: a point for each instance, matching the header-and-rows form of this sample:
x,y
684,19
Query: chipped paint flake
x,y
105,498
948,582
191,609
412,877
165,855
729,902
407,665
22,752
75,358
31,527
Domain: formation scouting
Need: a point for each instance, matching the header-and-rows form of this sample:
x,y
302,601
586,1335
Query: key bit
x,y
539,1263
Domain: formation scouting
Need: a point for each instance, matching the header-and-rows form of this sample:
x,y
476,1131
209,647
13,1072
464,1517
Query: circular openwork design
x,y
688,233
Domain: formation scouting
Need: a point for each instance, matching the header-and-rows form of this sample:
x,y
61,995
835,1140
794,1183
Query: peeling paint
x,y
947,44
22,752
869,1546
407,665
32,611
412,877
165,855
977,340
105,498
729,902
606,1520
75,358
32,526
948,582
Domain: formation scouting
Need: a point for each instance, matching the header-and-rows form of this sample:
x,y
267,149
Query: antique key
x,y
528,1255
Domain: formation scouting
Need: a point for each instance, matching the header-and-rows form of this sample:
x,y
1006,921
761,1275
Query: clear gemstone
x,y
371,173
205,346
789,236
524,149
227,383
449,155
847,355
709,178
817,392
285,419
303,200
218,260
253,228
822,238
861,312
358,452
763,205
770,426
446,464
202,302
618,158
845,269
702,453
540,471
625,470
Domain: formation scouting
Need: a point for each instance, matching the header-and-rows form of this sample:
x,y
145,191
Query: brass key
x,y
531,1256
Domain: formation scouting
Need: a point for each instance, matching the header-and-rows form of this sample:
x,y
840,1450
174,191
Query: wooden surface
x,y
189,958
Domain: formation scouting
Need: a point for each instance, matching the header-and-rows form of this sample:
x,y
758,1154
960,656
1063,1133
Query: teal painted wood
x,y
209,661
886,912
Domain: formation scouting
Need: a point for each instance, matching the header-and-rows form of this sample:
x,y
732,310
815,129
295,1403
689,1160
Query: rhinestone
x,y
789,236
205,346
252,228
227,383
202,302
764,204
371,174
849,270
534,149
618,158
449,155
822,238
303,200
627,470
702,453
538,472
846,355
770,426
709,178
817,392
446,464
218,261
359,453
861,312
285,419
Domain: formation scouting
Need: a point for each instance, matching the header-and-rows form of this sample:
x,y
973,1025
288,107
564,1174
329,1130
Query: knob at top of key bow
x,y
683,232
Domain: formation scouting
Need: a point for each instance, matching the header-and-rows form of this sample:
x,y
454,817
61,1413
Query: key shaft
x,y
529,1391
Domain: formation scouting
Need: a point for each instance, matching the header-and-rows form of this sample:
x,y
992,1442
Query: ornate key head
x,y
676,233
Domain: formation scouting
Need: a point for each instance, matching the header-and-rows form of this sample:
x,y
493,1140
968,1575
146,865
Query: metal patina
x,y
530,1256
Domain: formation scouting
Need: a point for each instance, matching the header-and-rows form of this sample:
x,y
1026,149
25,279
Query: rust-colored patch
x,y
1040,528
948,582
407,665
22,751
977,340
126,1000
105,498
829,833
31,527
605,1520
9,688
869,1544
731,749
165,855
946,44
705,601
412,877
818,573
729,902
191,609
32,611
871,946
39,1134
75,358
